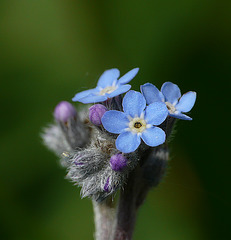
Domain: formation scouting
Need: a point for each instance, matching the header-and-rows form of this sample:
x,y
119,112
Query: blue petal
x,y
186,102
153,136
128,76
83,94
114,121
180,116
133,103
151,93
171,92
108,77
93,99
127,142
121,89
156,113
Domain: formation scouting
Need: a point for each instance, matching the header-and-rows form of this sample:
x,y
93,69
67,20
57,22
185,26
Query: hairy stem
x,y
145,176
104,219
126,214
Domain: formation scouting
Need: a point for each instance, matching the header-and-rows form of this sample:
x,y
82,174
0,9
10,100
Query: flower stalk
x,y
104,214
126,213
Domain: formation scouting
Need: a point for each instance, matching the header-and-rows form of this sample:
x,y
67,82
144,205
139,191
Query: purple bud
x,y
64,111
118,162
106,186
76,162
96,112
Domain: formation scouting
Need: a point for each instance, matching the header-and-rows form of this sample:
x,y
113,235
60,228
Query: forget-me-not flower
x,y
136,122
170,94
108,86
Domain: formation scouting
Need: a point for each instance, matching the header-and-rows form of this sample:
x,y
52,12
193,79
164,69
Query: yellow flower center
x,y
109,89
137,125
170,107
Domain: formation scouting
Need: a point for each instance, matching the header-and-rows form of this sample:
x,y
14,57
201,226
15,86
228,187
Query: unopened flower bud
x,y
118,162
64,111
96,112
72,127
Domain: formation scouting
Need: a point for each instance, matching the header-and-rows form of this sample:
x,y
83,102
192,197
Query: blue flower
x,y
170,94
108,86
136,122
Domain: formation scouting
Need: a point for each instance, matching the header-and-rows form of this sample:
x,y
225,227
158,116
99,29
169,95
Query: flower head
x,y
170,94
136,122
108,86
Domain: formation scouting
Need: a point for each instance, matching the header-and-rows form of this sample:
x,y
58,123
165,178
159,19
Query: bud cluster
x,y
102,145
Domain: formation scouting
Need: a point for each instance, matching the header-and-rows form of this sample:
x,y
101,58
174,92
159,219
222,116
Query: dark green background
x,y
51,49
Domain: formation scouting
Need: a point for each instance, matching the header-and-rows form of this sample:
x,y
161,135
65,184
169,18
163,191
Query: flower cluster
x,y
103,144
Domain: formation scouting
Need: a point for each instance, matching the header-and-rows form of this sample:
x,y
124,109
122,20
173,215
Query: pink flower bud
x,y
96,112
64,111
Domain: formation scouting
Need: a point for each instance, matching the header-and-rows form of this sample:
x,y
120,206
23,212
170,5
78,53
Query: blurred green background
x,y
50,50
